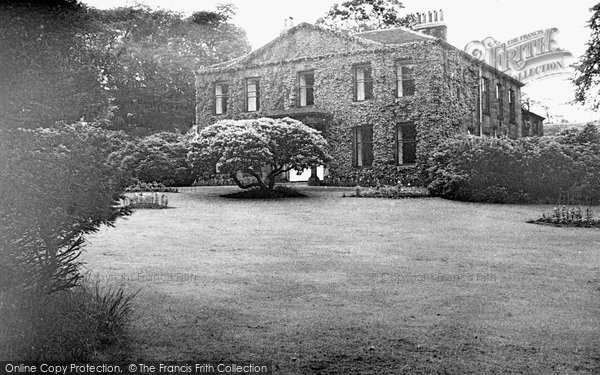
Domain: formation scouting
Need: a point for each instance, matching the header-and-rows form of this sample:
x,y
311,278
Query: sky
x,y
467,20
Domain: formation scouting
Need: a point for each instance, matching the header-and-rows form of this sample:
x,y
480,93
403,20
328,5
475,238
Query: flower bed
x,y
390,192
564,216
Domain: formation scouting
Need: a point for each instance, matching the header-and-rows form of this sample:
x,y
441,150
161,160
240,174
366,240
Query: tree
x,y
49,70
155,53
262,148
587,75
365,15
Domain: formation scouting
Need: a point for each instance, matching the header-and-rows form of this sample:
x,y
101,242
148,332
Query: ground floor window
x,y
363,146
406,143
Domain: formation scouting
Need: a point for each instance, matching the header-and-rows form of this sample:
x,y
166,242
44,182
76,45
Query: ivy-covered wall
x,y
444,104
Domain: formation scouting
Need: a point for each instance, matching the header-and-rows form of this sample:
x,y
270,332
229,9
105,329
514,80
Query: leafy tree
x,y
155,53
48,69
587,75
365,15
262,148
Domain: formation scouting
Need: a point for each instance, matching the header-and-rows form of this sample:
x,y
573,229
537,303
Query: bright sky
x,y
467,20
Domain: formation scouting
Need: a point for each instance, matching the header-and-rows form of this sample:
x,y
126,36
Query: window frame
x,y
224,97
500,100
358,147
307,88
400,78
485,94
247,82
402,142
512,116
367,83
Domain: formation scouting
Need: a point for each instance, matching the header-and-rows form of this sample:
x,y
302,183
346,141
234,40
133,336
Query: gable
x,y
301,41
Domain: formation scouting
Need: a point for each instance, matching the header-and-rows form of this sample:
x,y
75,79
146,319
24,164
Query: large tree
x,y
365,15
48,69
263,148
587,75
155,54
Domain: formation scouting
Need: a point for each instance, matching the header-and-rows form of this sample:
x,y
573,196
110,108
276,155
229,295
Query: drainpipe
x,y
480,88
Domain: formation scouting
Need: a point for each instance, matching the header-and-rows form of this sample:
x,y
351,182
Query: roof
x,y
370,40
529,113
398,35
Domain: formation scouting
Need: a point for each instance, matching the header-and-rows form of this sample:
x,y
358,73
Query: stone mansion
x,y
382,99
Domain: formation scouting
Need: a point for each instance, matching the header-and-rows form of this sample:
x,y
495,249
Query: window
x,y
252,94
363,83
306,82
406,143
485,94
363,146
221,90
500,99
511,105
405,79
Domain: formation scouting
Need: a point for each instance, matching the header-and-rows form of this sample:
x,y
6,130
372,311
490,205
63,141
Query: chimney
x,y
432,23
288,23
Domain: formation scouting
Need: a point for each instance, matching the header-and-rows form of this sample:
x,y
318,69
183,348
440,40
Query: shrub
x,y
56,184
538,169
160,157
152,187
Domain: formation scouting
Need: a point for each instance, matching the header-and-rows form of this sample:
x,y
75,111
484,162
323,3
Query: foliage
x,y
56,184
64,326
569,216
157,187
263,148
588,69
154,55
365,15
539,169
160,158
394,191
49,69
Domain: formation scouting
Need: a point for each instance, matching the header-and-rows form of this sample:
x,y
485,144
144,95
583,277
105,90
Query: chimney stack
x,y
432,23
288,23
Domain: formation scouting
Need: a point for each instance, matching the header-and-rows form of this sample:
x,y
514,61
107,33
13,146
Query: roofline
x,y
287,32
482,64
423,35
230,64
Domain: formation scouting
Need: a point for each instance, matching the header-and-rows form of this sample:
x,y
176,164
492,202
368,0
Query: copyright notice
x,y
136,368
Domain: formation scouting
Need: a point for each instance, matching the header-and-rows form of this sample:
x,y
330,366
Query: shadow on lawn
x,y
278,193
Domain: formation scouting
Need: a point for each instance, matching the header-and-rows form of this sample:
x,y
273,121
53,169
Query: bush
x,y
159,157
56,185
395,192
526,170
152,187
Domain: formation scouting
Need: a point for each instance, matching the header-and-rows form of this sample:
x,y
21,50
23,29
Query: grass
x,y
86,323
330,285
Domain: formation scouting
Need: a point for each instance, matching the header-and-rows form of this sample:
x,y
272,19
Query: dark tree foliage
x,y
56,184
48,71
588,69
365,15
155,53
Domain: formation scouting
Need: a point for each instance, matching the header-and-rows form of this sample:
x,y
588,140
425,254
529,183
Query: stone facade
x,y
446,99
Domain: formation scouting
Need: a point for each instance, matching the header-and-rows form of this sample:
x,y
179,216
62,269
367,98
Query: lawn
x,y
332,285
